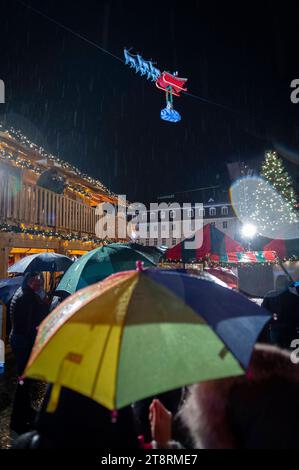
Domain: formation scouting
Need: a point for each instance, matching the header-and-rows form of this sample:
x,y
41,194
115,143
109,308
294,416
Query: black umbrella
x,y
8,287
42,262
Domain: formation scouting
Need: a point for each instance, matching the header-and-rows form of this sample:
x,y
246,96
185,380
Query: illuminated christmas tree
x,y
274,200
274,172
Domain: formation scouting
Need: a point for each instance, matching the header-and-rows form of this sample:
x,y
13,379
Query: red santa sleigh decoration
x,y
171,84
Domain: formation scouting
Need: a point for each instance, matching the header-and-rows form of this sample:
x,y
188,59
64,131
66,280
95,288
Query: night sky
x,y
93,111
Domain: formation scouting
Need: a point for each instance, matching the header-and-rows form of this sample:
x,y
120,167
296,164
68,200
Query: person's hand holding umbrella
x,y
161,423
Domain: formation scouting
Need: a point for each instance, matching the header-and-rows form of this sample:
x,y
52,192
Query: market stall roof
x,y
213,242
285,249
14,141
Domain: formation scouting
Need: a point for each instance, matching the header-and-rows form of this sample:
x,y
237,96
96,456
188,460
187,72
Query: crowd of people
x,y
257,410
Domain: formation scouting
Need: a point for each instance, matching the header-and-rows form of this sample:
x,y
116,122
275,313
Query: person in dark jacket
x,y
27,310
80,423
284,306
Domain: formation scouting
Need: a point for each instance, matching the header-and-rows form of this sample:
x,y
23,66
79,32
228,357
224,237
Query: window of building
x,y
147,242
212,211
190,213
172,214
155,242
224,210
163,241
173,241
144,216
213,224
163,215
224,224
153,215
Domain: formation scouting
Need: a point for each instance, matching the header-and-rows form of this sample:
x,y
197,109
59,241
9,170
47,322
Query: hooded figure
x,y
27,310
284,306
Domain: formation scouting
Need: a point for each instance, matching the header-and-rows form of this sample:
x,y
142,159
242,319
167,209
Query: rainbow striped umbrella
x,y
140,333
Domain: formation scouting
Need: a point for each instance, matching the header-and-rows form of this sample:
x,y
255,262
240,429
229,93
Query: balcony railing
x,y
30,204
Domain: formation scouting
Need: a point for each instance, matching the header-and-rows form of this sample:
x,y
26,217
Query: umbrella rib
x,y
101,361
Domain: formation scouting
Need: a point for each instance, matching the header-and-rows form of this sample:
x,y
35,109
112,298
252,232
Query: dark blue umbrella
x,y
8,287
41,262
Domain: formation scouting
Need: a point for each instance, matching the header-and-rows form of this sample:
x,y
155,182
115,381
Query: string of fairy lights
x,y
19,137
18,161
228,264
51,234
27,165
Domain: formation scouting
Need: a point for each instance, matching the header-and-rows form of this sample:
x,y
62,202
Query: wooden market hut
x,y
34,219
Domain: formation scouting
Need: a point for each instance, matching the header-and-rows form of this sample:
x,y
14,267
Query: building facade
x,y
168,226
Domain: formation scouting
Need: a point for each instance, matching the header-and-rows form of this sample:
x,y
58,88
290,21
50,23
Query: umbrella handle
x,y
54,398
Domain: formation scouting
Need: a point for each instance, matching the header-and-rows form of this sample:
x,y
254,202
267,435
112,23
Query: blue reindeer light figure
x,y
144,67
155,73
130,60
